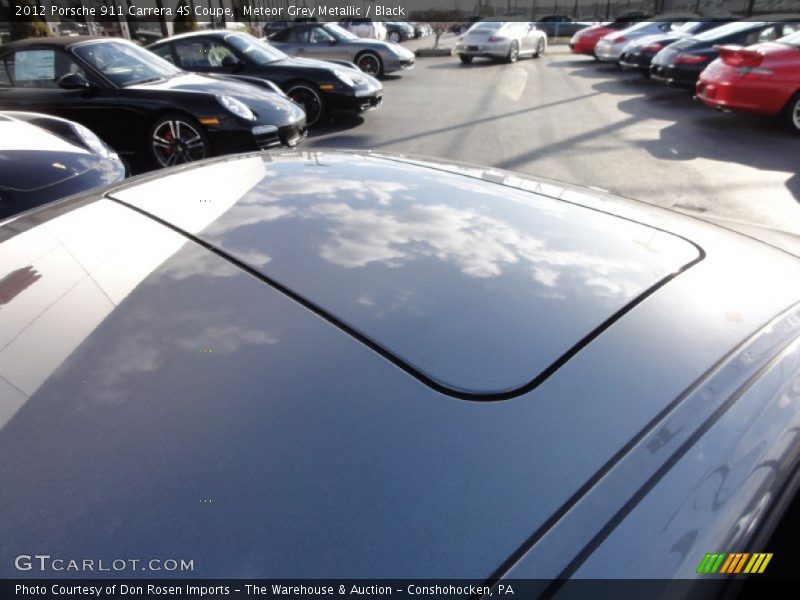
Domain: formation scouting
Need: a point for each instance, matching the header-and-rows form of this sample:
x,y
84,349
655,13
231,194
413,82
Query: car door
x,y
33,75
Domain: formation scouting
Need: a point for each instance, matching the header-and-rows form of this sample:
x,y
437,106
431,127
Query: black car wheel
x,y
792,113
177,139
465,59
310,99
370,63
539,49
513,52
394,37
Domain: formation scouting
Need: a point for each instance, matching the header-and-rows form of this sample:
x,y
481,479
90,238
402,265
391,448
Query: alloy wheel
x,y
176,142
309,100
370,64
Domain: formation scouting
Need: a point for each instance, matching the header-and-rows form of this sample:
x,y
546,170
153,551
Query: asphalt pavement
x,y
568,118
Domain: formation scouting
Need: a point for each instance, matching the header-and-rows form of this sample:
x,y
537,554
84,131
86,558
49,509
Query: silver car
x,y
506,40
328,41
610,47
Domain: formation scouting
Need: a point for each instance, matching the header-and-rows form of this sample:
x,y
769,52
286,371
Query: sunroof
x,y
478,289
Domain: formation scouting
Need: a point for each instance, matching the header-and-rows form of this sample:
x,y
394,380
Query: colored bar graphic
x,y
734,562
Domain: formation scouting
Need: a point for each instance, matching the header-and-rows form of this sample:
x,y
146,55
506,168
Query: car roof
x,y
201,33
409,293
63,41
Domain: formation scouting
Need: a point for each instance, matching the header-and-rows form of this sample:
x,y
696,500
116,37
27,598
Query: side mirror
x,y
74,81
231,62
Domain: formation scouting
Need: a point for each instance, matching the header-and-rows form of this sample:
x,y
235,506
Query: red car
x,y
584,41
762,79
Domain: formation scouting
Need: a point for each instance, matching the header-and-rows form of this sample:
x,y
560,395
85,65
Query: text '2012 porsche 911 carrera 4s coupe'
x,y
327,365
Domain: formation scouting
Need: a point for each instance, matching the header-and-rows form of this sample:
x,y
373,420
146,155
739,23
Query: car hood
x,y
32,158
267,105
174,395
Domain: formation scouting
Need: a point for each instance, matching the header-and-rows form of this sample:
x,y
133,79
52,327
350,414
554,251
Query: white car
x,y
610,47
498,39
365,28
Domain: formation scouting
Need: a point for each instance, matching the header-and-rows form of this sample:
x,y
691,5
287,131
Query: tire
x,y
791,113
176,139
308,96
394,37
465,59
513,52
540,49
370,63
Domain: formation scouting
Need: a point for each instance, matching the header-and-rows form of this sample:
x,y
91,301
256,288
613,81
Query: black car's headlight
x,y
237,107
349,79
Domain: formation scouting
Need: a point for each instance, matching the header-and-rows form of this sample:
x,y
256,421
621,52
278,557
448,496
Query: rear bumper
x,y
635,62
740,96
483,50
582,48
606,53
674,76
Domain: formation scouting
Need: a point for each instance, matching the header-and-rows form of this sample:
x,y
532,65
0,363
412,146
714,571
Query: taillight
x,y
689,59
656,47
619,39
493,39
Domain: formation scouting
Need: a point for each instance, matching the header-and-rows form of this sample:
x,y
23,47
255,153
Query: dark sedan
x,y
322,88
142,106
44,158
332,365
681,63
640,52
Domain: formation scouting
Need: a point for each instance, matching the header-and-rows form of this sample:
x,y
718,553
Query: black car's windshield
x,y
259,52
125,63
793,39
726,30
339,33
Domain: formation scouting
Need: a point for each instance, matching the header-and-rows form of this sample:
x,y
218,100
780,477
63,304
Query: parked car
x,y
585,40
422,29
45,158
239,361
681,63
328,41
141,105
365,28
560,25
639,53
398,31
501,40
321,88
761,79
610,46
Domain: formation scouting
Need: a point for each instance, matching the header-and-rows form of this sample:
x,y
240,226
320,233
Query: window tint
x,y
196,53
5,79
297,35
39,68
164,52
320,36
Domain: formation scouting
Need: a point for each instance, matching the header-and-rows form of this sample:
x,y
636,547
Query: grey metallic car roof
x,y
480,289
158,390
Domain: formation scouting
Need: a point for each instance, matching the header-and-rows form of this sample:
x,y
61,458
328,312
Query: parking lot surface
x,y
568,118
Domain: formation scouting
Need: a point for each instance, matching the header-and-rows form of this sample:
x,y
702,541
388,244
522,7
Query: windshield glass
x,y
340,34
793,39
124,63
726,30
259,52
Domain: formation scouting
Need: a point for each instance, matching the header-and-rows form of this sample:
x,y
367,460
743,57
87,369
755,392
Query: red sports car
x,y
584,41
761,79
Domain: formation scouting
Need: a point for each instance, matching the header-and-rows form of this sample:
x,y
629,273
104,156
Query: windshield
x,y
259,52
340,34
726,30
793,39
124,63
